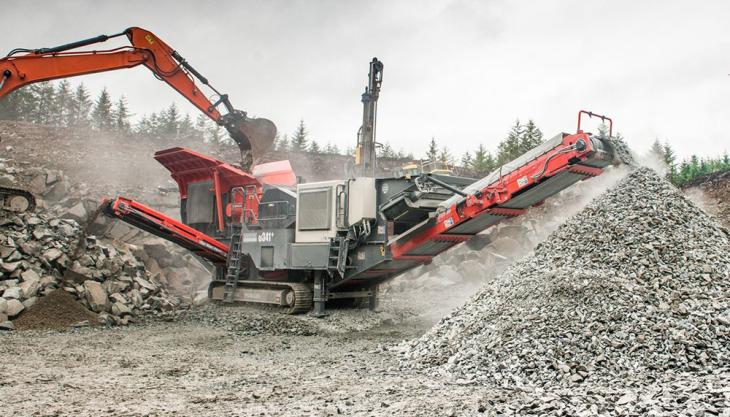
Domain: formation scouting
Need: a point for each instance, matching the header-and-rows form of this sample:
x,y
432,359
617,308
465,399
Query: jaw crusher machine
x,y
300,246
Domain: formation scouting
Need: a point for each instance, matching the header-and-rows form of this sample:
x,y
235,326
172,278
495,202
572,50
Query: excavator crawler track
x,y
298,296
16,200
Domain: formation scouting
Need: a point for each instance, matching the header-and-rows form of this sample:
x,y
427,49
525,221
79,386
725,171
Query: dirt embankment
x,y
118,164
712,192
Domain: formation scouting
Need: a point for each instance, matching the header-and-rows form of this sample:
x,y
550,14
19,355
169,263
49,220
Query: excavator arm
x,y
22,67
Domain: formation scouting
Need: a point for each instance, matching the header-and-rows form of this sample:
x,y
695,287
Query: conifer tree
x,y
101,115
282,143
44,107
531,137
433,150
483,162
299,139
466,160
509,148
444,155
386,151
63,104
80,106
121,116
670,159
185,127
170,120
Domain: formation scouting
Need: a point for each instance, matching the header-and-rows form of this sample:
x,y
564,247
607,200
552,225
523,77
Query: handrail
x,y
603,119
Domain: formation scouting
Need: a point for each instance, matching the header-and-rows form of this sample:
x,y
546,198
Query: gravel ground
x,y
210,363
223,360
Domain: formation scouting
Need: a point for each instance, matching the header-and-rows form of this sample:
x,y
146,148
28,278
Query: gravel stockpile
x,y
56,311
634,288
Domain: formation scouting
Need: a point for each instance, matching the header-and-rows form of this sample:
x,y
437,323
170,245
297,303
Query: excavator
x,y
274,240
24,66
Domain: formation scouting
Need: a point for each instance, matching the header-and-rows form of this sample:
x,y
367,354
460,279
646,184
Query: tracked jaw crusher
x,y
299,246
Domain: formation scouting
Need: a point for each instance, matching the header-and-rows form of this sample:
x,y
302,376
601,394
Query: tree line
x,y
520,139
60,104
683,172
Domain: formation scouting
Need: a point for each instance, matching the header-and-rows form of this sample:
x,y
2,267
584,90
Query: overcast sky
x,y
461,71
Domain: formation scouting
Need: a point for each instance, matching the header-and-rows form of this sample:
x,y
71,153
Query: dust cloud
x,y
434,290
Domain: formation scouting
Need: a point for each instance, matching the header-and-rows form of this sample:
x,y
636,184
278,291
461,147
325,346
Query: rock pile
x,y
636,287
40,253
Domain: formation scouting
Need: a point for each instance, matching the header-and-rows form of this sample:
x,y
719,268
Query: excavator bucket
x,y
253,136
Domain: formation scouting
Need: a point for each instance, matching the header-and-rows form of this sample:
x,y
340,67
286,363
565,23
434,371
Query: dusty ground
x,y
225,360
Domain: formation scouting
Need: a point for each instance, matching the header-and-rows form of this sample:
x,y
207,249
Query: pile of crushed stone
x,y
636,287
56,311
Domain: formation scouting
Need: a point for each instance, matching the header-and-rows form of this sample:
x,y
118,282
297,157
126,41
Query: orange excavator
x,y
22,67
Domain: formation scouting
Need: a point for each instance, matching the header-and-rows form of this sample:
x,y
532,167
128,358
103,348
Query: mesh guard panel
x,y
315,209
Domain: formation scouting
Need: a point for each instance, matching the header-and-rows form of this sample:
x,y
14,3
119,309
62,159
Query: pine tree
x,y
121,116
299,139
17,105
44,108
186,128
509,148
657,150
433,150
201,125
314,147
386,151
154,126
483,162
444,156
216,135
466,160
80,107
531,137
63,104
101,115
670,159
329,149
142,127
282,144
170,120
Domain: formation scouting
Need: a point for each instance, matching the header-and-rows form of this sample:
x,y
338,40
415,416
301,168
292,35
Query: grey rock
x,y
14,308
51,254
12,293
616,293
96,296
77,212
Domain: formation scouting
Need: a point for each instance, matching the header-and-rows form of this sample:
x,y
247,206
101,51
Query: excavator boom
x,y
22,67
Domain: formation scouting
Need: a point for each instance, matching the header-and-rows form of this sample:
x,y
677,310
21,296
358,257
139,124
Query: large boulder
x,y
77,212
96,296
14,308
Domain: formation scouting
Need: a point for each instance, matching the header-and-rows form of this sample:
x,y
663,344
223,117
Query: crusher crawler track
x,y
16,200
286,297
